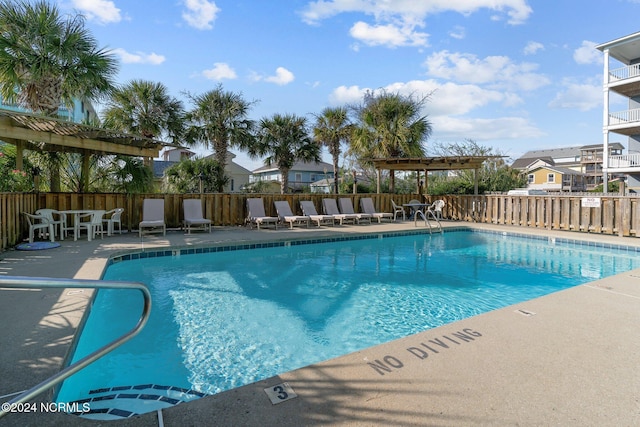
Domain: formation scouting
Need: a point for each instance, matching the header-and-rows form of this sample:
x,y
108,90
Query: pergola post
x,y
475,182
84,175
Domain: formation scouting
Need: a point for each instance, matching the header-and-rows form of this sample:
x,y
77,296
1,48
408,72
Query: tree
x,y
124,174
219,121
390,125
331,129
284,139
188,175
47,60
145,108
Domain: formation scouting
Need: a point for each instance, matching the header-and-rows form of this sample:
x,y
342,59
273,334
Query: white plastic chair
x,y
59,224
40,223
436,209
113,219
93,225
397,210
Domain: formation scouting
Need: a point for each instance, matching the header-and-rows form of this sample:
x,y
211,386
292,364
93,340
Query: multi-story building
x,y
301,175
622,79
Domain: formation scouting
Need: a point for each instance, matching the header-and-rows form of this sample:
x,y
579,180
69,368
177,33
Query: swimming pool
x,y
230,317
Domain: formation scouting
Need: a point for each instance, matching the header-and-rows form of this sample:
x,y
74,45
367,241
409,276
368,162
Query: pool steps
x,y
117,403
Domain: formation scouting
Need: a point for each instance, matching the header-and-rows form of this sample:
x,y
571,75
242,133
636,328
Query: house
x,y
238,175
544,176
585,159
301,175
622,78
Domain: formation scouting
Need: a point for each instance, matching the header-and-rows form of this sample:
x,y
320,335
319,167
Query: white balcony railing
x,y
627,72
625,161
624,117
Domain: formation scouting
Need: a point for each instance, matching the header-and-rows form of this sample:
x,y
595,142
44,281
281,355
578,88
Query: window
x,y
531,178
551,177
298,177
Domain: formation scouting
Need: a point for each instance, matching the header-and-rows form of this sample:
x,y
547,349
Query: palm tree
x,y
192,176
145,108
47,60
219,121
390,125
331,129
284,139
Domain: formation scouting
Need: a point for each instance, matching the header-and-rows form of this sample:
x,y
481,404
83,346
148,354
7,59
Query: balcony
x,y
624,163
626,80
625,122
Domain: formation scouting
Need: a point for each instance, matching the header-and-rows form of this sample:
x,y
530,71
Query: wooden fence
x,y
615,214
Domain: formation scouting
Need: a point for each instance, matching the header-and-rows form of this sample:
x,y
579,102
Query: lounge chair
x,y
286,216
366,203
93,224
398,209
256,214
309,209
153,217
40,223
113,218
193,216
331,208
346,207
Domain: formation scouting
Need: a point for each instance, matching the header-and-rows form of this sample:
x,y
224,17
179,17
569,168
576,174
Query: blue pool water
x,y
224,319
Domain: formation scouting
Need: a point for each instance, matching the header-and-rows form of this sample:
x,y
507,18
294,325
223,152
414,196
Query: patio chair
x,y
346,207
193,216
93,225
113,218
331,208
366,203
152,217
39,223
286,215
436,209
398,210
257,216
309,209
59,224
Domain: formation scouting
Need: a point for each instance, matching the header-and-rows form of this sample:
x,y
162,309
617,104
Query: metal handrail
x,y
40,282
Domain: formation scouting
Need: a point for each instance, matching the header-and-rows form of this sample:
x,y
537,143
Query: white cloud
x,y
200,14
492,70
139,57
500,128
532,48
220,71
588,54
387,35
282,77
458,32
102,11
584,97
411,11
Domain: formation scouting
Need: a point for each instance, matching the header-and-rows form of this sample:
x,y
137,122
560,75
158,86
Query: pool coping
x,y
388,397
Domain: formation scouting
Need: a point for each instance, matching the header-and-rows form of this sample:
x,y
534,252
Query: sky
x,y
513,75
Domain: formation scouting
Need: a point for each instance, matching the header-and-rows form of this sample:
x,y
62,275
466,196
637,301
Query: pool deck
x,y
569,359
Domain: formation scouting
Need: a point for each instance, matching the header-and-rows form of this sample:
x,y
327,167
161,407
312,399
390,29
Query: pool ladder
x,y
19,282
425,217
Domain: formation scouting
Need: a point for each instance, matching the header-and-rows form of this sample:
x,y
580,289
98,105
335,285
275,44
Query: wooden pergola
x,y
40,133
426,164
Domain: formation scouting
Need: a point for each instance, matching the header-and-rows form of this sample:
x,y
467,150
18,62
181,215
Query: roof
x,y
558,169
624,49
299,166
601,146
554,153
524,162
41,133
431,163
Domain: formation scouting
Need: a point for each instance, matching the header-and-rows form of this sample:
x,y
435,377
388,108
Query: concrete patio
x,y
567,359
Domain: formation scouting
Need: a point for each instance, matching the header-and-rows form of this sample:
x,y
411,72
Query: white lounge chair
x,y
286,215
331,208
346,207
256,214
39,223
113,218
193,216
309,209
152,217
398,210
366,204
93,225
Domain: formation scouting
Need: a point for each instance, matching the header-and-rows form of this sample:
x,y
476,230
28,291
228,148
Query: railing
x,y
624,161
627,72
36,283
624,117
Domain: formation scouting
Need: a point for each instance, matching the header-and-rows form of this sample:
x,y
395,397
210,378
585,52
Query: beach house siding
x,y
301,175
541,176
622,78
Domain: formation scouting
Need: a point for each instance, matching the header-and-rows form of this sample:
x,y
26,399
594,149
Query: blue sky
x,y
516,75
